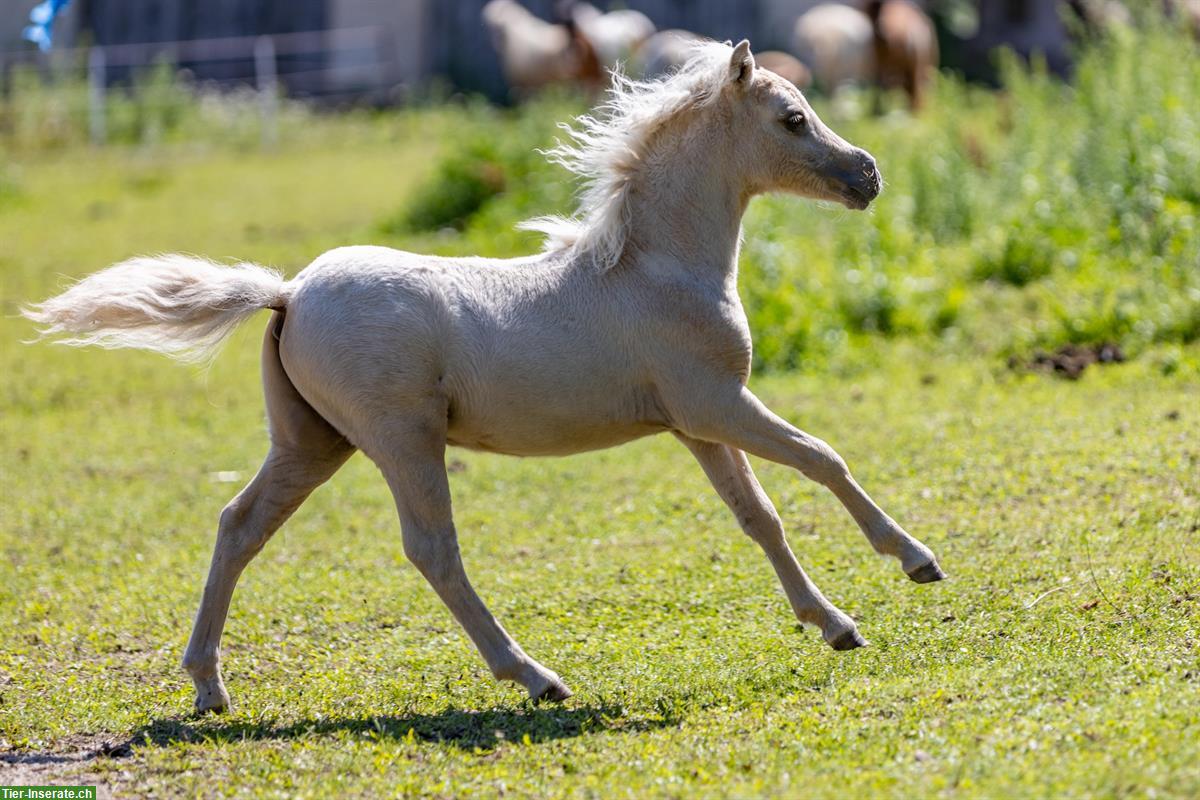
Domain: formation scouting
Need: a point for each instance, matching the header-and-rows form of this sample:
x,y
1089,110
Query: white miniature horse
x,y
629,324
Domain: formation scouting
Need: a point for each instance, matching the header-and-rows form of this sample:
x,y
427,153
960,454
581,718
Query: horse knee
x,y
821,463
237,535
434,553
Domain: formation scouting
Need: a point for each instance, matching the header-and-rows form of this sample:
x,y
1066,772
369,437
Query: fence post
x,y
97,89
268,92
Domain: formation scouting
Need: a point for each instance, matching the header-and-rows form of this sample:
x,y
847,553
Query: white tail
x,y
179,305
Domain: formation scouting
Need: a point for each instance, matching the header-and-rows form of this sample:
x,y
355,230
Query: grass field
x,y
1061,659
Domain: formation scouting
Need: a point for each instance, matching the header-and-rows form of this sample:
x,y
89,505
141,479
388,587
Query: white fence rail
x,y
362,52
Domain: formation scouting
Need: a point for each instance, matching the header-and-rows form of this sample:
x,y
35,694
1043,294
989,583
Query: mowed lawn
x,y
1061,659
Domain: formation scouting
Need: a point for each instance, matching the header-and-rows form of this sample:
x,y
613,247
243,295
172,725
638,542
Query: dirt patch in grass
x,y
75,761
1070,360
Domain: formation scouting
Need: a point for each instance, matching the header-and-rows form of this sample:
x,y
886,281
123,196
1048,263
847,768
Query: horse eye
x,y
795,123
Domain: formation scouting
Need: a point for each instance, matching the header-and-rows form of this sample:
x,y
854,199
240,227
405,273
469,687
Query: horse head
x,y
782,145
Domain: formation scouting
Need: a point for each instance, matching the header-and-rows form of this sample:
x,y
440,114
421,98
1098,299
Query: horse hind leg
x,y
305,452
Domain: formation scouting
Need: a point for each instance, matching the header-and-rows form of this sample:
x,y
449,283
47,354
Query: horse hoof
x,y
212,701
554,692
848,641
927,573
201,709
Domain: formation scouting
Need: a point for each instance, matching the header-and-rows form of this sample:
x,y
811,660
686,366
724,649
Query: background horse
x,y
835,42
787,67
614,36
628,324
666,51
535,53
906,49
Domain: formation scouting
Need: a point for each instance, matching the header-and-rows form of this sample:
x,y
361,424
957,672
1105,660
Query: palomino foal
x,y
629,324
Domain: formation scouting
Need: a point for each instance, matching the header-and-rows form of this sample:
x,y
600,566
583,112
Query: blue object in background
x,y
42,16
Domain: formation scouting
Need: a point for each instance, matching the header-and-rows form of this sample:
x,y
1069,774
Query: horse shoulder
x,y
702,322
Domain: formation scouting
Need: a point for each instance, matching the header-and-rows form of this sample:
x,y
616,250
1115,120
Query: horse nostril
x,y
872,179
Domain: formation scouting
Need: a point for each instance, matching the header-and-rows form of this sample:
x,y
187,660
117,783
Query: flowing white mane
x,y
605,147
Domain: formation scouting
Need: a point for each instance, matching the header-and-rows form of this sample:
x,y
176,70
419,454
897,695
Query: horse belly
x,y
562,427
535,440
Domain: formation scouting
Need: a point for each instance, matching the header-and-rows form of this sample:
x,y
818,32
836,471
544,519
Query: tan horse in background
x,y
889,43
835,42
629,324
786,66
535,54
614,36
665,52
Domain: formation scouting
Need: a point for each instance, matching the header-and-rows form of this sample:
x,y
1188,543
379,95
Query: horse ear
x,y
741,63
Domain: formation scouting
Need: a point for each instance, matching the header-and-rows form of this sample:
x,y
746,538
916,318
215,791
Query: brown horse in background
x,y
906,49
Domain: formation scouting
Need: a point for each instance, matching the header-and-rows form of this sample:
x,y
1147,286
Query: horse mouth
x,y
854,198
855,189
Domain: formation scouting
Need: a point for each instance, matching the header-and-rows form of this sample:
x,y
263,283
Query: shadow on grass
x,y
469,730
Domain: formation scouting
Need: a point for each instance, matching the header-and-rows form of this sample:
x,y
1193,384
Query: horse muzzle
x,y
858,186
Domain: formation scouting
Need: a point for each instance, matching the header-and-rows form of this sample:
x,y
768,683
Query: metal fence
x,y
327,54
273,58
214,39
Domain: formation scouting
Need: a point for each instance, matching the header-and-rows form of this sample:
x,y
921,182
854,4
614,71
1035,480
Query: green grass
x,y
1061,659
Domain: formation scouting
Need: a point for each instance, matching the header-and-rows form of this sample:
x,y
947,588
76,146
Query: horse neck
x,y
686,203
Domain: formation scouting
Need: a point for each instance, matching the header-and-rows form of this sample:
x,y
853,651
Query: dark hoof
x,y
848,641
927,573
554,693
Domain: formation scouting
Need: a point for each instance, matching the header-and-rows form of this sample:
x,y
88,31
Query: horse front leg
x,y
412,459
730,473
732,415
